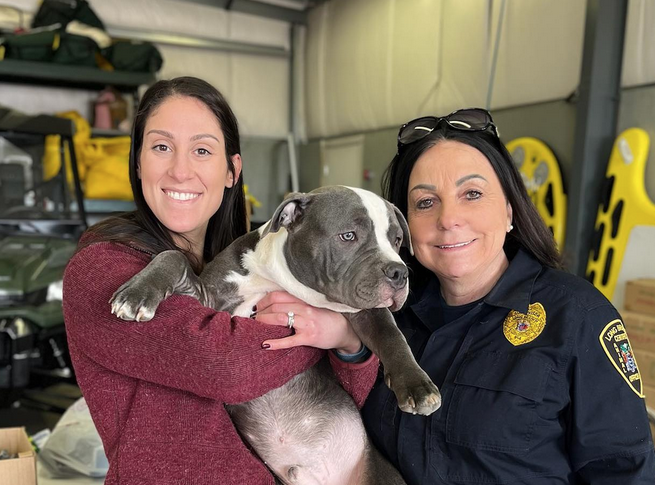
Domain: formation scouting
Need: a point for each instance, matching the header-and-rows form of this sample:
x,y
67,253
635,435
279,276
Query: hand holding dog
x,y
314,327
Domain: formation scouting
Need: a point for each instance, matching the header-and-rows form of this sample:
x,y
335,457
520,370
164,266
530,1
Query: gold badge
x,y
616,345
520,328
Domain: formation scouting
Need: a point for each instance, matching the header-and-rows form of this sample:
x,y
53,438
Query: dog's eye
x,y
399,241
348,236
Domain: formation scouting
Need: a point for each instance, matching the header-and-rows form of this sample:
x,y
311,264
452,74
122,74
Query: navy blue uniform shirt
x,y
539,386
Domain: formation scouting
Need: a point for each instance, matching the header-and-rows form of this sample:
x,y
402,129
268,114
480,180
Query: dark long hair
x,y
530,232
141,228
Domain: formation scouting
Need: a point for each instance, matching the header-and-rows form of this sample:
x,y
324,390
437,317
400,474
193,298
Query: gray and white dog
x,y
337,248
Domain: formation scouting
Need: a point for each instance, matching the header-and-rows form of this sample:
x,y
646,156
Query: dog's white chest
x,y
251,288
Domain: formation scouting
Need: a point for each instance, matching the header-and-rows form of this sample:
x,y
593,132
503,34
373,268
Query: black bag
x,y
38,47
133,56
76,49
51,46
65,11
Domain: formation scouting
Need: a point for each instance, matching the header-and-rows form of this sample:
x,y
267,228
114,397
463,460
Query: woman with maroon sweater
x,y
157,391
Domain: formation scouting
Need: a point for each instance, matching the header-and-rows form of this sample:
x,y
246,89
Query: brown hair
x,y
141,228
530,232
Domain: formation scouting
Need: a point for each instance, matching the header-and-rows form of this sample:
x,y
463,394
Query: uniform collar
x,y
514,288
512,291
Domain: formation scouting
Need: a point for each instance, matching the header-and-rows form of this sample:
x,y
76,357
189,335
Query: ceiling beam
x,y
198,42
253,7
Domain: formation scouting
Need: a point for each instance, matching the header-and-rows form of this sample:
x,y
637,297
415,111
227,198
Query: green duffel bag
x,y
50,46
39,47
133,56
76,49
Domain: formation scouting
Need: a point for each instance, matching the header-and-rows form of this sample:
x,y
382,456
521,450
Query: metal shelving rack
x,y
43,125
74,77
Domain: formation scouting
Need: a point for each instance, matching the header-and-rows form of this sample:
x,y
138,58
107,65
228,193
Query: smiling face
x,y
183,167
458,215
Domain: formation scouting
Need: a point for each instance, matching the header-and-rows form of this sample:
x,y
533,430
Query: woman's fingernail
x,y
266,346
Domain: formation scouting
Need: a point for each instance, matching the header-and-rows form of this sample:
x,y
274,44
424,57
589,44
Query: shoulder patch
x,y
520,328
614,341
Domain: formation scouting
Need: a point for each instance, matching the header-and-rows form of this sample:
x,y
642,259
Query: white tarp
x,y
370,63
377,63
639,49
540,51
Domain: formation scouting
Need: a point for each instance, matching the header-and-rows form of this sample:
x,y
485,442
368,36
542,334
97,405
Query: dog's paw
x,y
416,394
133,302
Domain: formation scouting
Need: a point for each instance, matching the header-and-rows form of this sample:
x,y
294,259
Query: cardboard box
x,y
641,330
21,470
649,392
646,363
640,296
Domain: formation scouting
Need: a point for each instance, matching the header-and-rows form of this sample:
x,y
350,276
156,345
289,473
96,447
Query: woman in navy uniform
x,y
538,379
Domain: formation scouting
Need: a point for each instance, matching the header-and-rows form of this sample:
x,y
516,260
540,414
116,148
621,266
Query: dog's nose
x,y
397,274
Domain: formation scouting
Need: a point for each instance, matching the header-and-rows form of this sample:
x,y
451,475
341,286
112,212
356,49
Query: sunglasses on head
x,y
469,119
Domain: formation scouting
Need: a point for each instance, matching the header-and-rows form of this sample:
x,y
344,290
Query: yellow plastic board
x,y
626,217
543,180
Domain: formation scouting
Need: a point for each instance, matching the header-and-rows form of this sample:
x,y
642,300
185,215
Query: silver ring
x,y
290,320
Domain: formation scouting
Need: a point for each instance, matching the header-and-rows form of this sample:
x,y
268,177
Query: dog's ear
x,y
288,212
407,238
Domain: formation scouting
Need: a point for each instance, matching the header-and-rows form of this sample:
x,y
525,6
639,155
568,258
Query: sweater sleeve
x,y
185,346
356,378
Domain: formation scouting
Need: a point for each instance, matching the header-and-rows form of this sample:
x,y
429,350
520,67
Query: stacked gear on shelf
x,y
70,33
36,242
625,223
102,162
543,179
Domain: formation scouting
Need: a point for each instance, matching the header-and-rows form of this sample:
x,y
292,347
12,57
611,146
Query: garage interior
x,y
320,88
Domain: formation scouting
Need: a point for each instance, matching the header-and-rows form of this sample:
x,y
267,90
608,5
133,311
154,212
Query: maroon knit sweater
x,y
157,390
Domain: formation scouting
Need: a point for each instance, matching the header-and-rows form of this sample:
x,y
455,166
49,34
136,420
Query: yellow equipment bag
x,y
107,165
102,162
51,155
